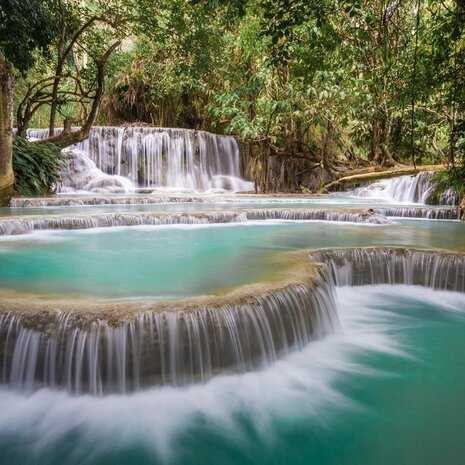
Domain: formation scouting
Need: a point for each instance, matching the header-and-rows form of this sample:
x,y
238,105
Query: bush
x,y
452,178
36,167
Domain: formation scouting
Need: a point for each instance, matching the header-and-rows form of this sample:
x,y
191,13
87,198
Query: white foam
x,y
303,387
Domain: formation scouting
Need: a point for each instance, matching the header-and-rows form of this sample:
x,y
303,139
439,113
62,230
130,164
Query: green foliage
x,y
65,81
36,167
452,178
323,79
24,27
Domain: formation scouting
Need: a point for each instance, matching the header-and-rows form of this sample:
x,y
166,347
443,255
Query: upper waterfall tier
x,y
157,157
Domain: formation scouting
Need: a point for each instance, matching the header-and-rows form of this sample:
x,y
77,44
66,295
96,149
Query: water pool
x,y
180,261
388,387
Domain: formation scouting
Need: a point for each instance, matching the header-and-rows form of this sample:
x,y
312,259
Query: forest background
x,y
312,89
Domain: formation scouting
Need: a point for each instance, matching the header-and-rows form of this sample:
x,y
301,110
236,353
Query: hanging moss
x,y
36,167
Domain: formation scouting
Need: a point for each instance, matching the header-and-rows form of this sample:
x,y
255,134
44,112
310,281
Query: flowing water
x,y
117,159
388,388
297,371
406,189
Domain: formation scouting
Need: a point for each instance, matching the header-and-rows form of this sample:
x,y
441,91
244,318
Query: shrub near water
x,y
36,167
452,178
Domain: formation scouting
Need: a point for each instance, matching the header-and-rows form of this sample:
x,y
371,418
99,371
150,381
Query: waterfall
x,y
81,174
448,197
356,267
163,157
117,349
364,216
13,226
79,201
25,224
421,212
80,352
22,225
406,189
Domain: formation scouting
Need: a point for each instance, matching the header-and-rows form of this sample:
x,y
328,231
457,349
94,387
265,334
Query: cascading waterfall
x,y
357,267
364,216
432,213
406,189
179,343
13,226
448,197
163,157
81,174
79,201
423,212
81,353
23,225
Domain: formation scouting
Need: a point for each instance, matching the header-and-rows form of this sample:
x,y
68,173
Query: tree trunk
x,y
56,81
380,139
452,141
6,131
374,141
54,104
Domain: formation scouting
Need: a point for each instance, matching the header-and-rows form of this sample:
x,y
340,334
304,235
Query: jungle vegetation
x,y
339,84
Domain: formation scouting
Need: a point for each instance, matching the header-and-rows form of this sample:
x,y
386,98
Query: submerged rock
x,y
373,217
20,230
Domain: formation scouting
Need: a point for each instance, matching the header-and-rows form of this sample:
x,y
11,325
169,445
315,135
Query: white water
x,y
173,347
303,388
177,159
404,189
17,226
181,347
81,174
355,267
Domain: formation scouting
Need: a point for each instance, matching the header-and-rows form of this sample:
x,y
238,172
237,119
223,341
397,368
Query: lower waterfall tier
x,y
357,267
97,352
122,347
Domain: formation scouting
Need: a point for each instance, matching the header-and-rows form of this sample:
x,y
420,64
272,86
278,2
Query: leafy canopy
x,y
25,25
